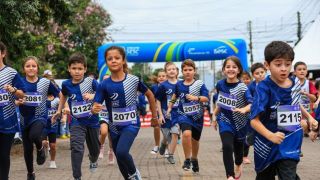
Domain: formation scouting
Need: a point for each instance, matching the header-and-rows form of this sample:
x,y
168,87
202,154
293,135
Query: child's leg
x,y
267,174
186,142
78,136
103,133
238,156
196,134
27,150
6,143
122,149
227,139
52,144
287,169
92,140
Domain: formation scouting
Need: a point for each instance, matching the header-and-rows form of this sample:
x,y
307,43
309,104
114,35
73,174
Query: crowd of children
x,y
270,113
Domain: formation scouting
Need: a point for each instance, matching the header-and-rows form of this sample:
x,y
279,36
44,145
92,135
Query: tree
x,y
52,30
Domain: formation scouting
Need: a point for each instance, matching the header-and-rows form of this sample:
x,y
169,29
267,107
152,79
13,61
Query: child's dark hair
x,y
298,64
3,49
245,73
278,49
256,66
77,57
188,62
122,53
236,60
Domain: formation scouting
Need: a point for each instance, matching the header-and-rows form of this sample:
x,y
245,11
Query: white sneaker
x,y
52,165
155,150
166,154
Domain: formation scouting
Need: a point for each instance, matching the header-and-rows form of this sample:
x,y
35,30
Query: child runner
x,y
11,86
79,91
161,76
104,132
34,112
308,91
233,104
191,94
169,125
50,133
119,92
246,78
275,115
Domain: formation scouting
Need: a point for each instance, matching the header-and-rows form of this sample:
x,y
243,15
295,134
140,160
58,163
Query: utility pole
x,y
250,41
299,28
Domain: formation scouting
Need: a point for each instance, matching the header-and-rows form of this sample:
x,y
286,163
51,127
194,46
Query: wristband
x,y
154,118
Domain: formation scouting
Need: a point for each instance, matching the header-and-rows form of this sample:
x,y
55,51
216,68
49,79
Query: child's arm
x,y
312,97
276,137
243,110
161,118
311,120
171,102
214,115
63,100
153,107
197,98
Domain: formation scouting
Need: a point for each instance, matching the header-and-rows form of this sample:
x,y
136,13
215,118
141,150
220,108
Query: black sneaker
x,y
195,165
41,156
186,165
31,176
162,149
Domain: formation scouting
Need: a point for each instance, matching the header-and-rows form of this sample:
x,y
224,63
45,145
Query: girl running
x,y
233,105
33,112
11,86
119,92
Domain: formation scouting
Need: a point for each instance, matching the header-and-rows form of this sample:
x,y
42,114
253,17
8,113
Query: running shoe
x,y
246,160
171,159
110,157
41,156
195,165
31,176
52,165
186,165
93,167
162,149
155,150
166,153
135,176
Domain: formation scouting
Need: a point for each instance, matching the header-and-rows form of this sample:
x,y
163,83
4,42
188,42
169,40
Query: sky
x,y
188,20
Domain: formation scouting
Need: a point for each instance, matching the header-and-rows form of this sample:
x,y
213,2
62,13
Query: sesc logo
x,y
220,50
133,51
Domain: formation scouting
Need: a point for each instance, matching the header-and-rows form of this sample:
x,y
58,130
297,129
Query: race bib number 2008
x,y
226,101
288,117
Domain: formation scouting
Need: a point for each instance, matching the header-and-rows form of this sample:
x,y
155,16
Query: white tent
x,y
308,49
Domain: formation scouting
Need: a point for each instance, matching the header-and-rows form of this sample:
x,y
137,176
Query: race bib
x,y
288,117
191,108
104,115
227,101
305,102
51,112
4,98
33,99
81,109
124,116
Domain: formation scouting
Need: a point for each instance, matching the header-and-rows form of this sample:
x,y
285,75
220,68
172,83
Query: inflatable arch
x,y
177,51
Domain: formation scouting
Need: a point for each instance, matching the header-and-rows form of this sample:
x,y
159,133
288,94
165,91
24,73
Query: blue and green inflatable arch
x,y
177,51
